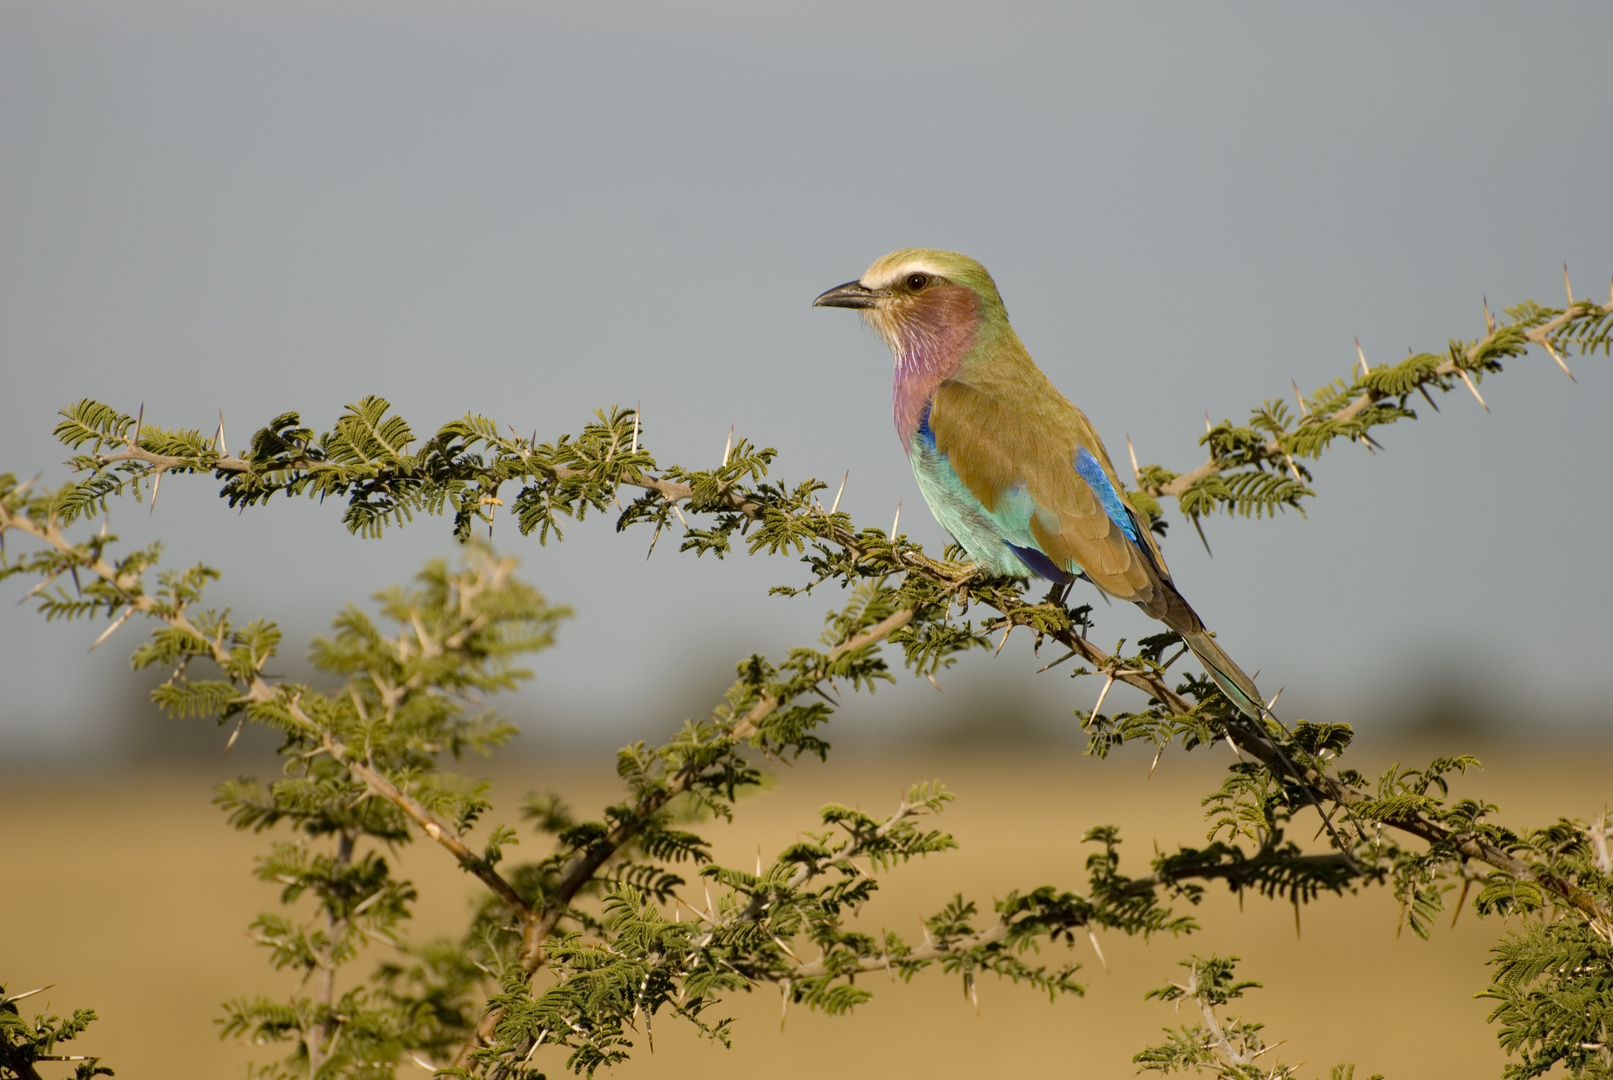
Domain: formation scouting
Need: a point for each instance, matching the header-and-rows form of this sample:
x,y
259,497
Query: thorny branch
x,y
1275,452
260,690
1249,739
538,923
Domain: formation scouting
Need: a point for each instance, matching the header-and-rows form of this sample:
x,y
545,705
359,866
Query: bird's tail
x,y
1237,686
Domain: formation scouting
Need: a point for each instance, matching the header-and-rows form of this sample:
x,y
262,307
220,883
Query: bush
x,y
613,913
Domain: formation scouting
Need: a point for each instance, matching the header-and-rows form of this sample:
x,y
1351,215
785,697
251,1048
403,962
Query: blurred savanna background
x,y
535,210
133,896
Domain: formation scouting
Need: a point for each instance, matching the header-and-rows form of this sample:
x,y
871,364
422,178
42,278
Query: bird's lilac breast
x,y
929,346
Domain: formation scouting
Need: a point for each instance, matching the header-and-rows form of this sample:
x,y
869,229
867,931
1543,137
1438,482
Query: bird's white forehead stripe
x,y
892,274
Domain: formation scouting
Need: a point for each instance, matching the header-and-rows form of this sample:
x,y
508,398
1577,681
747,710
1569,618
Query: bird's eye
x,y
917,281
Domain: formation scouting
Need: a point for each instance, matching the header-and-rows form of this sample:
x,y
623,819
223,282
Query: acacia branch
x,y
539,922
260,691
1273,450
1239,873
1247,737
586,863
1250,739
225,466
1234,1056
873,635
929,952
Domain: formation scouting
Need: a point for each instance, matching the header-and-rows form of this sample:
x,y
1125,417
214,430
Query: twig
x,y
1272,449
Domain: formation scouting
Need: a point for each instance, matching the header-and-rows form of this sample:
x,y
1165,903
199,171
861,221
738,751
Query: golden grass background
x,y
129,893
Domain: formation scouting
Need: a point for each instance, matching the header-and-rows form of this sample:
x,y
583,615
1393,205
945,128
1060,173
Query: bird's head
x,y
920,295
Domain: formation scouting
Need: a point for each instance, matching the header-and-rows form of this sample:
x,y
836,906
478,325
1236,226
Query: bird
x,y
1008,465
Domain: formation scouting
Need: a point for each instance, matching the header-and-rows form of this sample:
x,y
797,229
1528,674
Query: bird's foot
x,y
1057,594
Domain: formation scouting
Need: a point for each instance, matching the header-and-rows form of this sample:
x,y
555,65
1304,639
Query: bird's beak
x,y
853,294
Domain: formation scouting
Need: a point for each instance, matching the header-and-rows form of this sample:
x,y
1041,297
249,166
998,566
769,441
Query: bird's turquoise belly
x,y
985,536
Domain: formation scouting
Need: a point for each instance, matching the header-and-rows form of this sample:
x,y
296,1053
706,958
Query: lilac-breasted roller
x,y
1008,465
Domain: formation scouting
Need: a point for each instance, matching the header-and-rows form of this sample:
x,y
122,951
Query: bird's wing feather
x,y
1038,469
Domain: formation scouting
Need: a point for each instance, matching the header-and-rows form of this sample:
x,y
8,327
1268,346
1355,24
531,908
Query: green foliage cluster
x,y
1553,983
1227,1049
25,1043
1257,468
624,914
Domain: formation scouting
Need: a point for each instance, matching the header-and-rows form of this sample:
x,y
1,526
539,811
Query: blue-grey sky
x,y
533,210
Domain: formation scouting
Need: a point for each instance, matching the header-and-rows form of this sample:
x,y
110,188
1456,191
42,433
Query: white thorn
x,y
1004,641
37,589
121,619
728,449
1568,286
1489,320
839,493
1092,937
1557,357
1366,369
896,522
1136,473
1465,378
637,411
26,484
1056,663
1235,751
1099,703
1272,704
1207,428
1303,409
